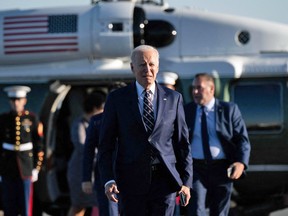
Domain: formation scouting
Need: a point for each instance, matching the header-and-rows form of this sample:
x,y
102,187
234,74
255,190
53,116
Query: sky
x,y
273,10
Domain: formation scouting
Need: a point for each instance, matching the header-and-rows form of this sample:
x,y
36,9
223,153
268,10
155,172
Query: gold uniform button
x,y
18,133
17,143
17,118
17,127
17,137
18,123
17,148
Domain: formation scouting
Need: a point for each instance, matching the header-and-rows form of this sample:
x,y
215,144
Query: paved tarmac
x,y
283,212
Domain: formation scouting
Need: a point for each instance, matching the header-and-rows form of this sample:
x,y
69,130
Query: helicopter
x,y
64,53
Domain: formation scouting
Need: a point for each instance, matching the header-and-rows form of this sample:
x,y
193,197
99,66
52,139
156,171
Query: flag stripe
x,y
41,51
25,27
22,22
40,39
25,33
31,45
40,34
25,17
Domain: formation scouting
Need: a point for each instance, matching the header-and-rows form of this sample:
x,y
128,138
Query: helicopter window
x,y
159,33
261,105
243,37
116,27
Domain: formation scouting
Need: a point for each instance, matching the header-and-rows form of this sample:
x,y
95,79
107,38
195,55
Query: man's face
x,y
18,104
145,67
202,90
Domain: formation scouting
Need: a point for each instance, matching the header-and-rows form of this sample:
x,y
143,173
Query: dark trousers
x,y
211,188
16,196
160,200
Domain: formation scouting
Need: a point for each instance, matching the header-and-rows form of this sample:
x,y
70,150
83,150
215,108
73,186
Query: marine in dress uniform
x,y
21,153
167,79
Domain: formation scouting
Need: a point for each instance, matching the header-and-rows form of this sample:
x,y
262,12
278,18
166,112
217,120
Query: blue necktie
x,y
205,136
148,112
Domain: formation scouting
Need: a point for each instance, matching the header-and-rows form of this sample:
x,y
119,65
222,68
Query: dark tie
x,y
205,136
148,118
148,112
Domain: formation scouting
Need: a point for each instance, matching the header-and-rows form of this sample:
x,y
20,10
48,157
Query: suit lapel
x,y
219,115
161,103
190,119
133,102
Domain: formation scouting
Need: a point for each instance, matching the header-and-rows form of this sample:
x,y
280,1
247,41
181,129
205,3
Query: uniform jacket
x,y
230,128
18,128
122,124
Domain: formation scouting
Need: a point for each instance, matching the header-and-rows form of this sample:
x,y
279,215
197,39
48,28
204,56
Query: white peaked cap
x,y
17,91
167,78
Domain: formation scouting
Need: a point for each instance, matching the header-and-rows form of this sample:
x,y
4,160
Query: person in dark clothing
x,y
106,207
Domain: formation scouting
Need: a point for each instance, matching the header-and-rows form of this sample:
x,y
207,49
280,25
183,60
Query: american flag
x,y
40,34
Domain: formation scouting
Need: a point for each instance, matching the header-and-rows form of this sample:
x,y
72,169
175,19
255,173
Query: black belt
x,y
212,162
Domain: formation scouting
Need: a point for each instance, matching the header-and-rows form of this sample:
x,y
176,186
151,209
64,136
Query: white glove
x,y
35,173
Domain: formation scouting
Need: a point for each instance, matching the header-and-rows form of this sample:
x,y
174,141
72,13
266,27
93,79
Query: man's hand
x,y
111,191
238,169
87,187
186,191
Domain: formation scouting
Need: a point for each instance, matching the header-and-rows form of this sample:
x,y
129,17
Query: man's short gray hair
x,y
143,48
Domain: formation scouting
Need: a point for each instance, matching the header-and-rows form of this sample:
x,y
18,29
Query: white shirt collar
x,y
140,88
210,105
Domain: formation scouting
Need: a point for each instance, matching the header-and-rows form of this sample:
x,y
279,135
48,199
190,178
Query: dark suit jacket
x,y
230,128
122,121
91,143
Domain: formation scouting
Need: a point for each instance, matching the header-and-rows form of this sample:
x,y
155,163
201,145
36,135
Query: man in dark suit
x,y
21,153
153,161
105,206
226,155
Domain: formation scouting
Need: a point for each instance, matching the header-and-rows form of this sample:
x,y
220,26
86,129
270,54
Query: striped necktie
x,y
148,112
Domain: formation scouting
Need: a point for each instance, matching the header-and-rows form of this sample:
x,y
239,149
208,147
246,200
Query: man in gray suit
x,y
153,160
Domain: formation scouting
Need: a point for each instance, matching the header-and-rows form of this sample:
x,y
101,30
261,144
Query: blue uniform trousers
x,y
16,196
211,188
